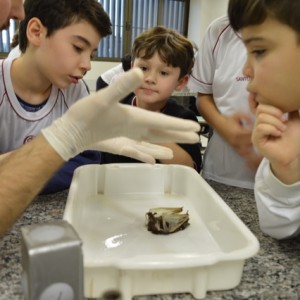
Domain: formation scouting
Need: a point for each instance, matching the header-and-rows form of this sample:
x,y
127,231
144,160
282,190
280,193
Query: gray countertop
x,y
274,273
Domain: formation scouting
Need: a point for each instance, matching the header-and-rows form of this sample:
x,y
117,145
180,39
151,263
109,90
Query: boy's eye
x,y
143,68
258,52
163,73
77,49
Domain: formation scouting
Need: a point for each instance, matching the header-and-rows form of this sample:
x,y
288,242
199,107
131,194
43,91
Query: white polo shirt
x,y
218,71
17,125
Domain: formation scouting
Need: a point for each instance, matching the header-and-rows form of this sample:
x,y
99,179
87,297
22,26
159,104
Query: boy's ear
x,y
182,82
36,31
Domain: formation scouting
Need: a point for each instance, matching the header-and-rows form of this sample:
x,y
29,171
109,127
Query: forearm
x,y
287,174
209,111
180,156
4,155
23,173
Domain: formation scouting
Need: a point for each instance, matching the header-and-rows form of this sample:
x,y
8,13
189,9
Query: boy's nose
x,y
86,65
150,77
247,69
17,10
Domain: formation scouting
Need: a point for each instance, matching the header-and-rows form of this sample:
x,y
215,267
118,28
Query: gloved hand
x,y
100,116
142,151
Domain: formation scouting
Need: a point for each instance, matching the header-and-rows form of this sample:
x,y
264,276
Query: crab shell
x,y
165,220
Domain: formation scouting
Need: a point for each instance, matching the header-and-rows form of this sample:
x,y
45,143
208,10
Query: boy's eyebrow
x,y
252,39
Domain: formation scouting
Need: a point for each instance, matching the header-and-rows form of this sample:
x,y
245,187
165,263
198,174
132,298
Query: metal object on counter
x,y
52,262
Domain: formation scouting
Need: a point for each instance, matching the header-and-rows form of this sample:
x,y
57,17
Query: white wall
x,y
97,69
202,12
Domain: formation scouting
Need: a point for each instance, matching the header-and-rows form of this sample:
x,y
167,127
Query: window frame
x,y
127,32
127,27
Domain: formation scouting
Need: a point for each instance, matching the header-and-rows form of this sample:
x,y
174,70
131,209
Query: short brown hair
x,y
173,48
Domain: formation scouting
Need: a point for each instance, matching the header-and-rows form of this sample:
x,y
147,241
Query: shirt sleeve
x,y
278,204
202,74
201,79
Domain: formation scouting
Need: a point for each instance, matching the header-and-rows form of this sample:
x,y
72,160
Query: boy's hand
x,y
277,138
100,116
142,151
237,131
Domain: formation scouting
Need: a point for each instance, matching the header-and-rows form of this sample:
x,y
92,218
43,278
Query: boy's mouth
x,y
148,90
75,79
253,103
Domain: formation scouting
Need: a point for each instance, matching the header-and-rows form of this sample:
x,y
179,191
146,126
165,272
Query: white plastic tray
x,y
107,205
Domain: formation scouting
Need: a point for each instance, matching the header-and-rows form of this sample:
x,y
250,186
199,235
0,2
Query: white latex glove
x,y
100,116
142,151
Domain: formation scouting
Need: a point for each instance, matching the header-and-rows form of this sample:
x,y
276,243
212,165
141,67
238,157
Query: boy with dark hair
x,y
166,59
56,15
57,39
270,31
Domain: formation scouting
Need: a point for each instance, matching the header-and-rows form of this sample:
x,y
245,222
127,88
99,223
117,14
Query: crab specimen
x,y
166,220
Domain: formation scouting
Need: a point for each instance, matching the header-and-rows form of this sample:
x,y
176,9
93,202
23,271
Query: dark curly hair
x,y
173,48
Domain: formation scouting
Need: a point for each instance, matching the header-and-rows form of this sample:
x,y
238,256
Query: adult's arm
x,y
23,173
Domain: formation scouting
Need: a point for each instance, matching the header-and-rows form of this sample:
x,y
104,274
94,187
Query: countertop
x,y
274,273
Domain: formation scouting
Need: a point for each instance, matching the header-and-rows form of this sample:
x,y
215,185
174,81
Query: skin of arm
x,y
4,155
231,128
276,136
23,173
180,156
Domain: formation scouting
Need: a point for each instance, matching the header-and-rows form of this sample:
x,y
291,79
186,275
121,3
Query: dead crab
x,y
166,220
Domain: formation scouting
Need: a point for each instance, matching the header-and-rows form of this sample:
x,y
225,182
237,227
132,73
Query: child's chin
x,y
63,85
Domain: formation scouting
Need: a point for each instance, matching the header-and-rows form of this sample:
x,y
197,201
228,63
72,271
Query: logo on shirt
x,y
242,78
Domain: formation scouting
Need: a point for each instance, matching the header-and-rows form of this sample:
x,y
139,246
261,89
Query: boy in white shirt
x,y
57,40
270,31
218,79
